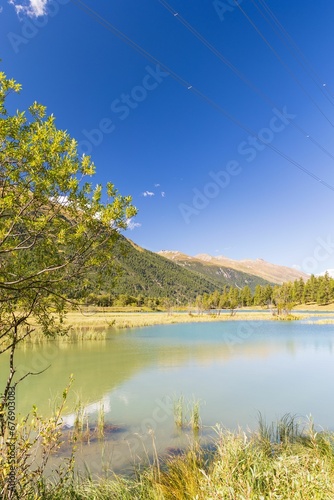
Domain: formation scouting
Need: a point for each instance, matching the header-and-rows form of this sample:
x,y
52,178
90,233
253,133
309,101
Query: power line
x,y
239,74
285,66
293,48
106,24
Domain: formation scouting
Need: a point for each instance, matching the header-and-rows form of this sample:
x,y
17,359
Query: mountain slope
x,y
207,265
147,273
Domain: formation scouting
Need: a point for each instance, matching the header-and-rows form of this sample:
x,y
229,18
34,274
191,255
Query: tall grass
x,y
178,408
284,460
195,418
187,414
100,421
79,419
300,466
95,324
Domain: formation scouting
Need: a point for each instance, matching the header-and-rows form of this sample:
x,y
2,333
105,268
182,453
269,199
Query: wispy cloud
x,y
148,193
1,9
132,225
31,8
156,185
330,272
163,194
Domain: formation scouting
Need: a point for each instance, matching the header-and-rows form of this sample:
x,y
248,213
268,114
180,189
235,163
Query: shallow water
x,y
235,368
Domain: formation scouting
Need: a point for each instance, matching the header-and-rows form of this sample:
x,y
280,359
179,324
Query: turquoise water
x,y
234,368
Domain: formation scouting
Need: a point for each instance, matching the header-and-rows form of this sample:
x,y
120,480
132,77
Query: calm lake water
x,y
235,368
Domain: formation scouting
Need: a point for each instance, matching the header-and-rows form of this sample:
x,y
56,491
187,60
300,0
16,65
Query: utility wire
x,y
239,74
292,47
285,66
303,60
106,24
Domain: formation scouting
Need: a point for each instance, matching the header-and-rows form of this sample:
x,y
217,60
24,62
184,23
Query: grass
x,y
315,307
187,414
94,323
100,421
286,317
284,460
195,419
281,461
79,419
321,322
178,408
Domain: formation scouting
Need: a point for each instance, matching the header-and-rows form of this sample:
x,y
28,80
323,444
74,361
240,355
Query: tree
x,y
234,299
55,228
199,304
214,300
246,296
311,290
282,297
298,290
259,299
324,290
224,299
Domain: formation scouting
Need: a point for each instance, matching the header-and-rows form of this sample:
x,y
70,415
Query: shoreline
x,y
134,319
95,323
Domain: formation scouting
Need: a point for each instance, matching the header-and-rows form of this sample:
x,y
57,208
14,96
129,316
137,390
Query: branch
x,y
31,373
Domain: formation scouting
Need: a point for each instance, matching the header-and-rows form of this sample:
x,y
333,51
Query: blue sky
x,y
203,183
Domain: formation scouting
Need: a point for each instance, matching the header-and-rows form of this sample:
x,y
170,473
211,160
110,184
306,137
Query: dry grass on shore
x,y
94,323
279,462
120,320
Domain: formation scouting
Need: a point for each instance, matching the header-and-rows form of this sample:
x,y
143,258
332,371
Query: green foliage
x,y
280,298
56,229
142,273
35,442
281,461
144,278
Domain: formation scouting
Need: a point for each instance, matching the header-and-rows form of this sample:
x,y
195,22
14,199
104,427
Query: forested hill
x,y
149,274
208,264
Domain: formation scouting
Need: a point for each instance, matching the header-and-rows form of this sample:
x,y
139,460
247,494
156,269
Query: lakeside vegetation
x,y
57,241
143,274
95,324
317,290
284,460
299,466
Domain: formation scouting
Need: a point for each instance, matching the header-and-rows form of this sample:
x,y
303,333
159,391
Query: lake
x,y
234,368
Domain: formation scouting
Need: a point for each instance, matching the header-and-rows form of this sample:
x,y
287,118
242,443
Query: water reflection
x,y
274,367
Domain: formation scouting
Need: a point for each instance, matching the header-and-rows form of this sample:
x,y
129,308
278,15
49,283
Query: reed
x,y
298,466
195,419
79,420
100,421
178,408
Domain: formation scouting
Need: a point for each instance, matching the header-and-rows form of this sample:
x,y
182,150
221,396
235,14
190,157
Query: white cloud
x,y
62,200
148,193
1,9
329,271
132,225
163,194
156,185
31,8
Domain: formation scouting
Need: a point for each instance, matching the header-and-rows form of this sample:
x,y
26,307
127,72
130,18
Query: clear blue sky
x,y
201,183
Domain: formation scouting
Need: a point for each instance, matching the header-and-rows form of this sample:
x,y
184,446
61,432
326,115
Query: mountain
x,y
208,265
150,274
